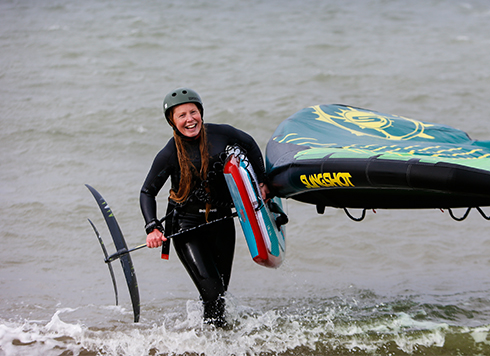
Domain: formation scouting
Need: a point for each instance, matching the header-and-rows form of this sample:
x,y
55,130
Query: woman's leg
x,y
207,255
224,250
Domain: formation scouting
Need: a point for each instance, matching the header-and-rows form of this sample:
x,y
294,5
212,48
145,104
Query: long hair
x,y
187,168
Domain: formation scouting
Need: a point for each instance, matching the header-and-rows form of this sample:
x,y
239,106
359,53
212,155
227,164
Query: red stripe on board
x,y
233,168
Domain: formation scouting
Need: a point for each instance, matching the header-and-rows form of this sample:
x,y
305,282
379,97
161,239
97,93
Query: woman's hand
x,y
155,239
264,190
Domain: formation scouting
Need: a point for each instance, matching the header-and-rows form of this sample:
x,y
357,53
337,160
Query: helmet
x,y
181,96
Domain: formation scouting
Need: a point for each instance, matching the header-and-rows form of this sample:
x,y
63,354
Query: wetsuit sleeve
x,y
163,166
253,151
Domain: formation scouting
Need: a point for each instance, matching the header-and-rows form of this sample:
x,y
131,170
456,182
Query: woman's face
x,y
187,119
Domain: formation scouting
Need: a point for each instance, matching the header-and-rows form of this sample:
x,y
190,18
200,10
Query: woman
x,y
193,159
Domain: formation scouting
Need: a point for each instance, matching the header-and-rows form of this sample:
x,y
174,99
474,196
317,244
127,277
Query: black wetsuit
x,y
206,253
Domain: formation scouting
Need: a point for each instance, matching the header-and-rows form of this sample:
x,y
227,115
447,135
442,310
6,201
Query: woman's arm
x,y
155,239
247,142
159,172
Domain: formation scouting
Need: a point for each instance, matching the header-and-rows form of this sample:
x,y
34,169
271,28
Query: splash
x,y
332,327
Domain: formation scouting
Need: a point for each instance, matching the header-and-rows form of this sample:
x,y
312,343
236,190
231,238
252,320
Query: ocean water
x,y
81,88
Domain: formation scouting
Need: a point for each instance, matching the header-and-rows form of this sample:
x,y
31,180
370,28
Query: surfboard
x,y
347,157
262,223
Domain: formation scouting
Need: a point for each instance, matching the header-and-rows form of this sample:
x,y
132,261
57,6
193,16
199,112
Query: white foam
x,y
251,332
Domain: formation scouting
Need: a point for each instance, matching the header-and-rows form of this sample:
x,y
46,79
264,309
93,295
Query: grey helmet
x,y
181,96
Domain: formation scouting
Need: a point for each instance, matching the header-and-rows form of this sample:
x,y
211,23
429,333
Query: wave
x,y
355,325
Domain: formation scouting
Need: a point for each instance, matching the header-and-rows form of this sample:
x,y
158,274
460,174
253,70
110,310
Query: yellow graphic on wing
x,y
368,123
294,138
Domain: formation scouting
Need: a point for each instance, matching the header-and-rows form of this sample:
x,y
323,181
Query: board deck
x,y
265,237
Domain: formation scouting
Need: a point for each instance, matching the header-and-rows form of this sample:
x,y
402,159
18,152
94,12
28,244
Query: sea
x,y
81,90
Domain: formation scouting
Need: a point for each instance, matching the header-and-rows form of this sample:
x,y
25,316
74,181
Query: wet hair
x,y
187,168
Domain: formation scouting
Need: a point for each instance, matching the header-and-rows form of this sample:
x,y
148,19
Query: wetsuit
x,y
206,253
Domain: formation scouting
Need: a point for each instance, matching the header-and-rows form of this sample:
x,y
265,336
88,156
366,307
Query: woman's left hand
x,y
264,191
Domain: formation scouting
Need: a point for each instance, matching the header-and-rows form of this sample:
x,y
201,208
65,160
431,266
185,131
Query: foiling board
x,y
265,238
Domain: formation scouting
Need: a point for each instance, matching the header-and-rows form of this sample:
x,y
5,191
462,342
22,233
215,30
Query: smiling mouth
x,y
190,127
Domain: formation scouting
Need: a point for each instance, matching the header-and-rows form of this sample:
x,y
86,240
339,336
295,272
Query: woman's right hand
x,y
155,239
